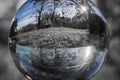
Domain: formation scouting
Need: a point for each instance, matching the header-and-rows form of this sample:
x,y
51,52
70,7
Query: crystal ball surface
x,y
58,39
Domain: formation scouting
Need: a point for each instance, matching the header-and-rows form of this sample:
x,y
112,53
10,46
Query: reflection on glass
x,y
58,39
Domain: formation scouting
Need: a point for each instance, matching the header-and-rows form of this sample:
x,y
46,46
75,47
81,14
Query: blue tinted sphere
x,y
58,39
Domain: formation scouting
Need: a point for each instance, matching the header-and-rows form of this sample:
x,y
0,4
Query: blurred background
x,y
111,67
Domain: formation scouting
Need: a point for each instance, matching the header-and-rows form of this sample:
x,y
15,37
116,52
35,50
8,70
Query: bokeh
x,y
111,67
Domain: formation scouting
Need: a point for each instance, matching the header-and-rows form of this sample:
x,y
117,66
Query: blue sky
x,y
26,15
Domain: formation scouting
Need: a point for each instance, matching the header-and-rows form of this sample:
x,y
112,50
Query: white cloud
x,y
26,21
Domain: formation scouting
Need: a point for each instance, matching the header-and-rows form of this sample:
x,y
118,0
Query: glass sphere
x,y
58,39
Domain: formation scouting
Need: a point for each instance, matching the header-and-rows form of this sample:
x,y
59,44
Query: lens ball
x,y
58,39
